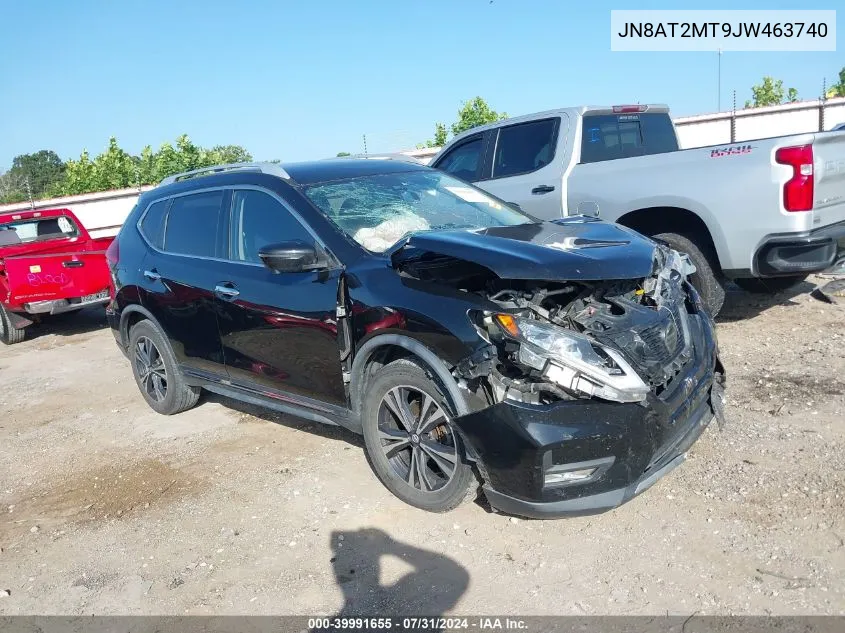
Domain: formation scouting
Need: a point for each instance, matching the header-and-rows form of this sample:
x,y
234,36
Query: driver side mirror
x,y
293,257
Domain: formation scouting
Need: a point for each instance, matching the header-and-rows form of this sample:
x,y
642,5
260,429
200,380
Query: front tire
x,y
414,449
157,373
9,334
707,279
769,285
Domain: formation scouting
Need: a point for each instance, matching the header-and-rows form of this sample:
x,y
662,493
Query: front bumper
x,y
517,445
799,253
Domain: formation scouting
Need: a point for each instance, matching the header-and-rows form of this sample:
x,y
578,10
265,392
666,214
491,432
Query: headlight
x,y
573,361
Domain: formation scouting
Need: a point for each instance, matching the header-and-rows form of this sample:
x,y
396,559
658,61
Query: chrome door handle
x,y
152,275
226,292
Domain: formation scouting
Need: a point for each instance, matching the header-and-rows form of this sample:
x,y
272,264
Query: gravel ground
x,y
108,508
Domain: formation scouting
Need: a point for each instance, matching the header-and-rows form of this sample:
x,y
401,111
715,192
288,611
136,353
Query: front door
x,y
278,330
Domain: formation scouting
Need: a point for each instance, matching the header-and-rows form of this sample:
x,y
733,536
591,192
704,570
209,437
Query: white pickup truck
x,y
764,213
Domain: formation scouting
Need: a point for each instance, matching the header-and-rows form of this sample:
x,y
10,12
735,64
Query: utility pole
x,y
365,144
29,194
719,89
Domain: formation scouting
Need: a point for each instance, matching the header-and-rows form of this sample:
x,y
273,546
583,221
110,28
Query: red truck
x,y
49,264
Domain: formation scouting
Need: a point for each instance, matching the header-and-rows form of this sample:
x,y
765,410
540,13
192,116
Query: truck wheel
x,y
771,285
707,281
412,445
9,334
156,372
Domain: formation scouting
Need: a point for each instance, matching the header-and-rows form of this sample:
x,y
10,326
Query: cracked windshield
x,y
378,211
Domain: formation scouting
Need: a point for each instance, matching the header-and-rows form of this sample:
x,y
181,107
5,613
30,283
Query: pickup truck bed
x,y
49,264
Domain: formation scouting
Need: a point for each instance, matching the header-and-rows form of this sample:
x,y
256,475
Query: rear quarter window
x,y
152,224
612,136
192,224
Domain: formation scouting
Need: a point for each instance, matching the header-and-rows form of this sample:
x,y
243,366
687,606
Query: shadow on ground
x,y
741,305
69,324
432,586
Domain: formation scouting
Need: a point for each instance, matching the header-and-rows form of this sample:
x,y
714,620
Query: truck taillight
x,y
798,190
619,109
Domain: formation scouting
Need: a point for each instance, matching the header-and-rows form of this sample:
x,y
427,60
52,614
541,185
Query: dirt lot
x,y
106,507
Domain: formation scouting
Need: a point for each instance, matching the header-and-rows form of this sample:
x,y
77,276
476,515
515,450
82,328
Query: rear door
x,y
45,260
526,169
278,330
185,235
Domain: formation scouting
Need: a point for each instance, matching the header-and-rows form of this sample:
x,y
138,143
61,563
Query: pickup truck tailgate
x,y
829,168
49,276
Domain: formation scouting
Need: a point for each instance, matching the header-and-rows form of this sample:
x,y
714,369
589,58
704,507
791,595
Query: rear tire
x,y
156,371
707,279
771,285
9,334
413,447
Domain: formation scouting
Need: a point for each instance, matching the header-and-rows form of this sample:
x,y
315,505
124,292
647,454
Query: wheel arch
x,y
129,316
669,219
385,348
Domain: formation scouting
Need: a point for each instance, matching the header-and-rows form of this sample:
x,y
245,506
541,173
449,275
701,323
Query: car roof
x,y
310,172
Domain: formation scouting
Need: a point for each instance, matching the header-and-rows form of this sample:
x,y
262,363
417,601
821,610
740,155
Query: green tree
x,y
80,176
838,89
342,154
769,92
146,166
41,170
114,168
792,95
12,188
222,154
472,114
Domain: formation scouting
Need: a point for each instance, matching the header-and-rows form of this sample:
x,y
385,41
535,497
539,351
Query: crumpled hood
x,y
573,248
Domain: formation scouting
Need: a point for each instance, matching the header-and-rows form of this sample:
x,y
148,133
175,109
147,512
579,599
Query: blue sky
x,y
301,80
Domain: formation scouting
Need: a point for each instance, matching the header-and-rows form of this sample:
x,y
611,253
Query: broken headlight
x,y
573,361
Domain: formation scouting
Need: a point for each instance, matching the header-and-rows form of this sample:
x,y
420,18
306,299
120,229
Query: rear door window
x,y
524,148
612,136
464,161
192,224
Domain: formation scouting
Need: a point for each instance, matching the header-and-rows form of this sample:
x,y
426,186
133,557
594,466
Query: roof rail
x,y
265,168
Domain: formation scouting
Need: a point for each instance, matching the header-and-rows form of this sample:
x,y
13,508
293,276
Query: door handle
x,y
542,189
73,264
226,292
152,275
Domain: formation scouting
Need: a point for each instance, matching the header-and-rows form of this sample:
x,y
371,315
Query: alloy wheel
x,y
152,373
417,438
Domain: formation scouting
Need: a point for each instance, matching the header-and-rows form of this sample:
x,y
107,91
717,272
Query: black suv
x,y
566,365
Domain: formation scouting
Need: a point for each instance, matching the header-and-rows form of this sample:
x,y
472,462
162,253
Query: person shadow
x,y
433,586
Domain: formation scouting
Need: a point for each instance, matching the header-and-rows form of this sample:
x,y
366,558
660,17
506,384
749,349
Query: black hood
x,y
575,248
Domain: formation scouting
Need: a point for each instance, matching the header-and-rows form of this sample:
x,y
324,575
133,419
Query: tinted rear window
x,y
611,136
152,224
192,224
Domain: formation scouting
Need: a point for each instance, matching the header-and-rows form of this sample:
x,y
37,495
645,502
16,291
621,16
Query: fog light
x,y
570,476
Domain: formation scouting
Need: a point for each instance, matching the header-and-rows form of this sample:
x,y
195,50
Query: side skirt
x,y
280,401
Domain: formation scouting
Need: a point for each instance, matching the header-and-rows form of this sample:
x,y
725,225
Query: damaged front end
x,y
616,340
585,391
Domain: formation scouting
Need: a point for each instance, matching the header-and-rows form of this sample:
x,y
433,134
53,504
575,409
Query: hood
x,y
574,248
